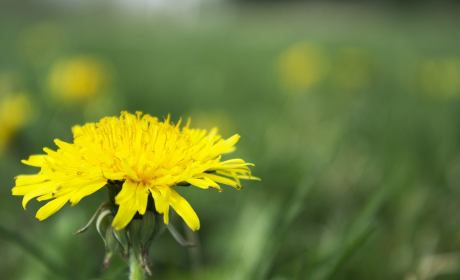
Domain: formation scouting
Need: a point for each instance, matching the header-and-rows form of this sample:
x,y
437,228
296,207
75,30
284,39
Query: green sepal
x,y
111,246
134,233
102,224
104,205
148,229
122,238
178,237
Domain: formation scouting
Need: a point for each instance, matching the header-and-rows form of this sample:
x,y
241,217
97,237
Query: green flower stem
x,y
136,272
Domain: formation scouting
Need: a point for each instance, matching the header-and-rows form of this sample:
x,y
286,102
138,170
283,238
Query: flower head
x,y
144,156
301,67
78,79
440,77
14,114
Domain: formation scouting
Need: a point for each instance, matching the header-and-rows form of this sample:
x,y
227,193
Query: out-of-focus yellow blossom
x,y
14,114
355,69
440,77
141,157
40,42
78,79
301,67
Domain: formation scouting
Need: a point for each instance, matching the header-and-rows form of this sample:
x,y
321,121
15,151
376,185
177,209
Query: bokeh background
x,y
350,111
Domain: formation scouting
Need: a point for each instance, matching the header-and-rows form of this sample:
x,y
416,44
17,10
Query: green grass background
x,y
356,183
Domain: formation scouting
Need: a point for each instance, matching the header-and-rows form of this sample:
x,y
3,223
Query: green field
x,y
351,115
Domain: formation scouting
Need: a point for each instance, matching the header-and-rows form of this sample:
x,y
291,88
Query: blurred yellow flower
x,y
354,69
14,114
78,79
440,77
301,66
140,156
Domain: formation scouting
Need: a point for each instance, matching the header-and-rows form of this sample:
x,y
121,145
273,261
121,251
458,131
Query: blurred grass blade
x,y
349,251
247,248
361,227
366,215
295,206
298,199
33,250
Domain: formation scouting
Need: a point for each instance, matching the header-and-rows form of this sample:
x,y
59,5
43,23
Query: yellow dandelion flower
x,y
301,67
440,77
14,114
144,156
78,79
